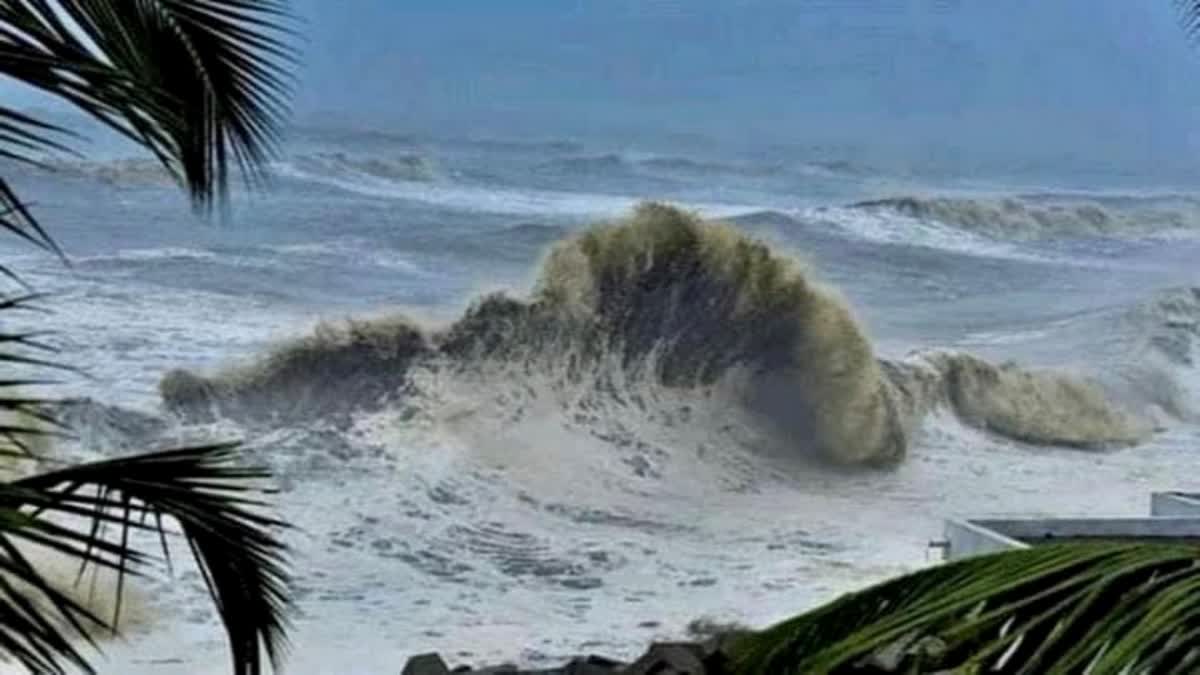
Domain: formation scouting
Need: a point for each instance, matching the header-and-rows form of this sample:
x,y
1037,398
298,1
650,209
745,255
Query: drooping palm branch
x,y
202,489
89,512
1064,609
202,85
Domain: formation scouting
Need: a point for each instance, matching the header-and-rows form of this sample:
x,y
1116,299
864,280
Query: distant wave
x,y
466,197
374,137
691,167
519,147
684,165
1044,216
149,254
663,300
316,166
587,165
476,198
613,164
124,171
400,167
841,167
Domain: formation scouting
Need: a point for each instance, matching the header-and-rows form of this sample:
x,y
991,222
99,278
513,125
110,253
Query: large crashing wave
x,y
665,299
1048,216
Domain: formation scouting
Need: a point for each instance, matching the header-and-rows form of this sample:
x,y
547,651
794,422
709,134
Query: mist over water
x,y
564,326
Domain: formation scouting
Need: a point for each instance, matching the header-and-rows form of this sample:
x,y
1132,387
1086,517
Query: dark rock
x,y
718,653
670,658
426,664
592,665
502,669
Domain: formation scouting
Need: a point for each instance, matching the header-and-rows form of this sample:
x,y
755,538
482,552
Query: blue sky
x,y
1107,77
1110,79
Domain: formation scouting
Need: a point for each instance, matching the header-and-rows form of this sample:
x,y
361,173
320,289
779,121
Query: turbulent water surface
x,y
515,416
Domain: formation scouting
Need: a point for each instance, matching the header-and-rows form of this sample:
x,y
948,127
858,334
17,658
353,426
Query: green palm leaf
x,y
203,489
202,85
198,82
88,512
1053,610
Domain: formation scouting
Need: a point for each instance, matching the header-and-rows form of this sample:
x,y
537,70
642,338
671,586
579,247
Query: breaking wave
x,y
665,301
1153,351
1034,217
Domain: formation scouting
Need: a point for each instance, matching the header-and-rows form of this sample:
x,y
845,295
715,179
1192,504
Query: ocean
x,y
512,420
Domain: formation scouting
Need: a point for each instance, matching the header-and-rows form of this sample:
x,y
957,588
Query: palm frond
x,y
26,420
200,83
1188,13
1067,608
16,219
89,511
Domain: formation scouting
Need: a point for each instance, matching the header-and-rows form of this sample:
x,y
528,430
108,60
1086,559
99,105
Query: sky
x,y
1111,80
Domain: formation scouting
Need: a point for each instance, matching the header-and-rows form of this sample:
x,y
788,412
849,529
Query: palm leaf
x,y
201,84
16,219
197,82
24,418
1068,608
203,490
1188,12
213,500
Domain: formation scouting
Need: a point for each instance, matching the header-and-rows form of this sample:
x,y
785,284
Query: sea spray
x,y
666,298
